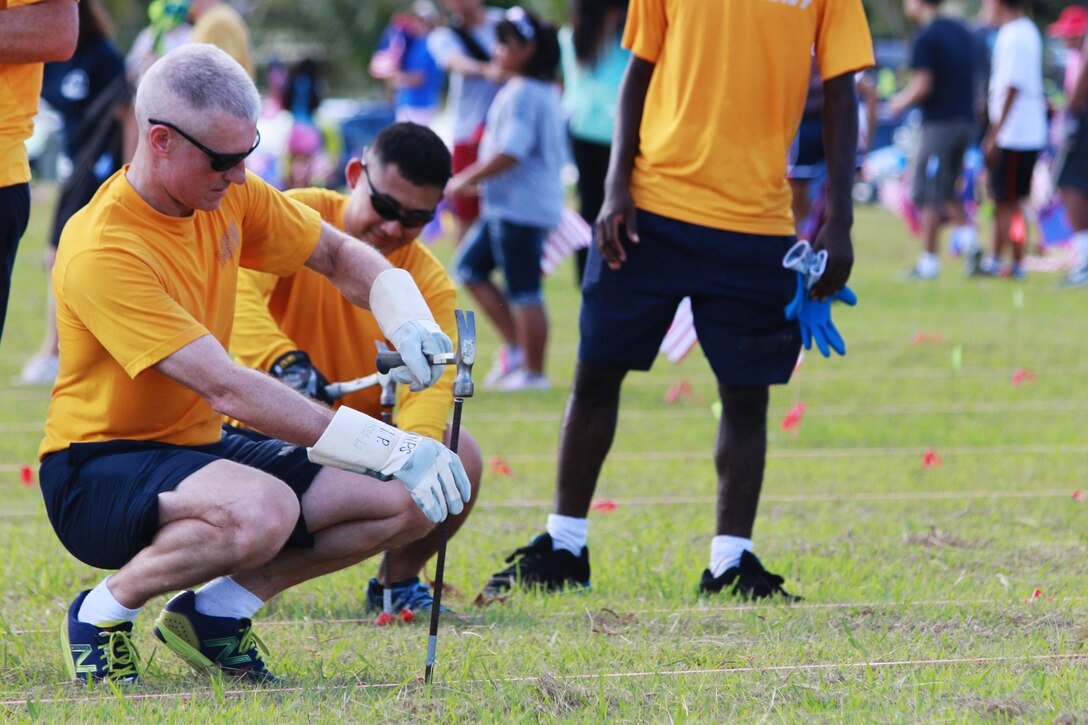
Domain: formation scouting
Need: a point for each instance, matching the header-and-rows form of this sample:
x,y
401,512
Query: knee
x,y
261,522
595,386
412,525
744,407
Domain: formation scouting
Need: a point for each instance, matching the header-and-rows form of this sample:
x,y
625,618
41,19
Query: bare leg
x,y
220,519
351,518
531,324
494,304
931,228
589,425
408,561
740,455
1076,205
1003,211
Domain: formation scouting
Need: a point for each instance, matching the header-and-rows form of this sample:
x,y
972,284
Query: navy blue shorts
x,y
1074,171
738,288
102,498
514,248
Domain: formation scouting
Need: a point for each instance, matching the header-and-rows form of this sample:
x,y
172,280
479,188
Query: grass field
x,y
919,581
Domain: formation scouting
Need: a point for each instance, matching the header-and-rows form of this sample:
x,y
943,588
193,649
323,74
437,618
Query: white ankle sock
x,y
725,552
224,597
929,264
100,606
568,533
1080,244
968,237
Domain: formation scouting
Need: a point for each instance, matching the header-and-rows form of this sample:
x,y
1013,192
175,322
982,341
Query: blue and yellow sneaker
x,y
208,643
101,651
408,594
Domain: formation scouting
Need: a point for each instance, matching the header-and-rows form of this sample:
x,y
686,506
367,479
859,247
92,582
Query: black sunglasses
x,y
390,209
220,162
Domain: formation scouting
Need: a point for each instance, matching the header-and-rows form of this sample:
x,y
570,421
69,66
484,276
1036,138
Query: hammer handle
x,y
389,359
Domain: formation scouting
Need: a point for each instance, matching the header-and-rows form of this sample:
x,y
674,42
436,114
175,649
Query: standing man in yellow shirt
x,y
697,204
217,23
32,32
136,472
298,327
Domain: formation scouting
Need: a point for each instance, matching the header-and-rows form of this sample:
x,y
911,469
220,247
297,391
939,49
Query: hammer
x,y
462,388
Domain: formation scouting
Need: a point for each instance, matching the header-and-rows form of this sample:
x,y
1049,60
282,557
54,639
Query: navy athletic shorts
x,y
738,288
514,248
102,498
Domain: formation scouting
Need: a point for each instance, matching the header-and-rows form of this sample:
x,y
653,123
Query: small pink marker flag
x,y
931,459
793,418
1034,595
1078,496
604,506
921,338
26,475
1023,375
499,467
678,390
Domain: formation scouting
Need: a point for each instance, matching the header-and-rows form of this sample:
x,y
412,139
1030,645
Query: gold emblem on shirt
x,y
228,243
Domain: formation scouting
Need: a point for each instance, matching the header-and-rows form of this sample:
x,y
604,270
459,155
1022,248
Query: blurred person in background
x,y
31,33
405,63
593,62
518,175
168,28
942,84
1072,170
1018,127
464,50
219,24
91,92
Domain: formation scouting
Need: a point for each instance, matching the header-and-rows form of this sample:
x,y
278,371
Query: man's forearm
x,y
625,138
39,33
840,136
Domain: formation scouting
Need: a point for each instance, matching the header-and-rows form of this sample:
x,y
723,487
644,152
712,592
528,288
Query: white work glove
x,y
432,474
407,322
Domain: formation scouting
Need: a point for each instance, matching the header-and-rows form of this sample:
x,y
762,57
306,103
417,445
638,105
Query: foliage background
x,y
346,31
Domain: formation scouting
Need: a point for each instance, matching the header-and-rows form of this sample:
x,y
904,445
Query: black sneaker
x,y
752,581
540,567
411,594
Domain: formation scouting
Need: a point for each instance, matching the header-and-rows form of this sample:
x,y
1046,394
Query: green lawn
x,y
918,581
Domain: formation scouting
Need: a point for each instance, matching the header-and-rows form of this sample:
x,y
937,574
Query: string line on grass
x,y
767,498
819,666
952,603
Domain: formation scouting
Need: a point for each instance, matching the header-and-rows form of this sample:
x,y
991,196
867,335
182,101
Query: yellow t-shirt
x,y
306,312
726,98
224,28
133,285
20,86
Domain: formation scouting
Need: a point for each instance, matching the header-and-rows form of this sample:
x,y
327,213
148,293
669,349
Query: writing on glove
x,y
432,474
814,318
297,371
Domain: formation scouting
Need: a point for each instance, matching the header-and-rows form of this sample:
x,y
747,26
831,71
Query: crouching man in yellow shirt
x,y
301,329
136,472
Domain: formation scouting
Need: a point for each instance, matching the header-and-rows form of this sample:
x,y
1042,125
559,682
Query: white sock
x,y
100,606
725,552
515,357
1080,243
967,236
224,597
568,533
928,264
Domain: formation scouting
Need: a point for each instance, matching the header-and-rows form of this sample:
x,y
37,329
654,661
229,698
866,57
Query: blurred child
x,y
521,155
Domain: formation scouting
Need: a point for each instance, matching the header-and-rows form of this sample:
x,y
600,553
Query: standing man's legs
x,y
14,215
740,454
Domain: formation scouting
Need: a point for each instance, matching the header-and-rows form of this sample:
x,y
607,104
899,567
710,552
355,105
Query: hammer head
x,y
466,353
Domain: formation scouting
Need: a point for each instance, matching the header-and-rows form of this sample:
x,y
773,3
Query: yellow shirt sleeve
x,y
281,233
257,340
644,33
843,42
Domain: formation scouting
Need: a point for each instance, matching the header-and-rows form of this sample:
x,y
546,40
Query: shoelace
x,y
531,548
417,597
121,655
251,643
